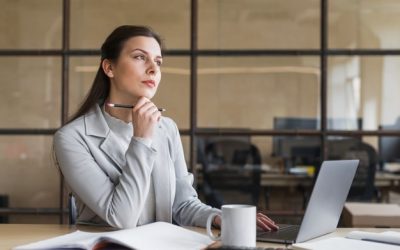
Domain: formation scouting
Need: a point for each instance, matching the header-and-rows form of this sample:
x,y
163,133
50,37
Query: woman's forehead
x,y
148,44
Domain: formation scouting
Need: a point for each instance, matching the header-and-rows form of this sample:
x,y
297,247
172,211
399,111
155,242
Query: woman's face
x,y
136,73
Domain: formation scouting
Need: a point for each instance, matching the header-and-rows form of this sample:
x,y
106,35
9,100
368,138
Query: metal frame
x,y
65,53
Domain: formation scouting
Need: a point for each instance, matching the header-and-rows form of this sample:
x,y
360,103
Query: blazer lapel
x,y
97,126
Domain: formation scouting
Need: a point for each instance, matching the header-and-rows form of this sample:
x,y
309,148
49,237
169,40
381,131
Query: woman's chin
x,y
149,94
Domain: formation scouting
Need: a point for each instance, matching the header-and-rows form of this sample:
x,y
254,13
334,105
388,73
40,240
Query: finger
x,y
153,109
267,220
157,115
142,101
146,109
263,226
263,216
270,224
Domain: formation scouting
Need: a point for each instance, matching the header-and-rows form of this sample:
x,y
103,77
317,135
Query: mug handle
x,y
209,222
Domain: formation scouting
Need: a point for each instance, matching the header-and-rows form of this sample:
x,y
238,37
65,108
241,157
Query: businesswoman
x,y
126,166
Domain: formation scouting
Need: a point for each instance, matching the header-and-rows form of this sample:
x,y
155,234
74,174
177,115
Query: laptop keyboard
x,y
285,232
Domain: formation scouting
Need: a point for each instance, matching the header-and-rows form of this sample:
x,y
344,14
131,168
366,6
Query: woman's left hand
x,y
265,223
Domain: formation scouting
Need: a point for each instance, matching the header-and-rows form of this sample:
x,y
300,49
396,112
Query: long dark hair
x,y
111,50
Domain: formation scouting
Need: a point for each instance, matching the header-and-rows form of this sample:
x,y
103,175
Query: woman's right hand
x,y
145,116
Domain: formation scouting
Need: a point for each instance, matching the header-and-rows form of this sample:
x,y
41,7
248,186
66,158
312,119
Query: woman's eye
x,y
159,63
141,57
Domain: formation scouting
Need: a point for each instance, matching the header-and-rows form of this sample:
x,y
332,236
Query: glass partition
x,y
366,24
28,176
30,92
250,92
259,24
30,24
362,92
93,20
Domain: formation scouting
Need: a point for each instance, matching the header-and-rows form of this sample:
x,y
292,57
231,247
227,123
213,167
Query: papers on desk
x,y
303,170
355,240
392,167
158,235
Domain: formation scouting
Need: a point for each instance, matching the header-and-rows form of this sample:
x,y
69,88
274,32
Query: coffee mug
x,y
238,225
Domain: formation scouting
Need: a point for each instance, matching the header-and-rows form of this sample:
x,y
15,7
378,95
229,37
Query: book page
x,y
160,235
390,237
77,239
343,244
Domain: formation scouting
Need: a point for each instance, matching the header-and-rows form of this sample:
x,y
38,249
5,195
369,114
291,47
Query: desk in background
x,y
385,182
12,235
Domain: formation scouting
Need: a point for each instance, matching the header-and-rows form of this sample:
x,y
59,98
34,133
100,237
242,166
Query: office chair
x,y
230,165
72,212
363,187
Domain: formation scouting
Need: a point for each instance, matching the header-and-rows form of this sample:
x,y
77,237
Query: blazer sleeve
x,y
118,204
187,209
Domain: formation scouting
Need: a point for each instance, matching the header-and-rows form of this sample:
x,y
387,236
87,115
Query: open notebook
x,y
158,235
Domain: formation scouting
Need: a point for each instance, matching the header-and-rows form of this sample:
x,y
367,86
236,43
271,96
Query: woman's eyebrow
x,y
145,52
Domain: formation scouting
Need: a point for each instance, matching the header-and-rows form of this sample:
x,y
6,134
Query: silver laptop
x,y
324,208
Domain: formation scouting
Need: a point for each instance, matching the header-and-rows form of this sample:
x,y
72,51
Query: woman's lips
x,y
149,83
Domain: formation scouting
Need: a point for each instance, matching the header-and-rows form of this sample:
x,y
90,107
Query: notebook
x,y
324,207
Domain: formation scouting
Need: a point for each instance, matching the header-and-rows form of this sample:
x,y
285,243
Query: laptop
x,y
324,207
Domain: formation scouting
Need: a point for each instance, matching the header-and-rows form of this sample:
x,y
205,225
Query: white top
x,y
124,133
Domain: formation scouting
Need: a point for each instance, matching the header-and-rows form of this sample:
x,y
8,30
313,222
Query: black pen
x,y
127,106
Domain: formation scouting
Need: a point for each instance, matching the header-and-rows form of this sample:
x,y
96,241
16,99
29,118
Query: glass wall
x,y
251,92
257,69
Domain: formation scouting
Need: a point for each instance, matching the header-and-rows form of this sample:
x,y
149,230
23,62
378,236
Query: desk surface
x,y
12,235
284,180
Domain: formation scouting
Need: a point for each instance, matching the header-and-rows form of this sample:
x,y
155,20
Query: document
x,y
158,235
355,240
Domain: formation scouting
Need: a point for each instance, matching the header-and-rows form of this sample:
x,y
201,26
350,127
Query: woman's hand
x,y
145,116
263,222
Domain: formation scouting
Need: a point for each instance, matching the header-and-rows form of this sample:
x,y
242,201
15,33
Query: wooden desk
x,y
12,235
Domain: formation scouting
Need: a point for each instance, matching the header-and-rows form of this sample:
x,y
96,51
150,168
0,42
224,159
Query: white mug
x,y
238,225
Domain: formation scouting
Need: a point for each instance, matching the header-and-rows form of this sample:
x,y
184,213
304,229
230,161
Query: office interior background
x,y
288,76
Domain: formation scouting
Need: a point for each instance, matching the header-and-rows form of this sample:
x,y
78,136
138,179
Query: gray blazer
x,y
111,185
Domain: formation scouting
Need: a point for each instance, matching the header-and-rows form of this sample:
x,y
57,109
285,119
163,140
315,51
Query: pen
x,y
127,106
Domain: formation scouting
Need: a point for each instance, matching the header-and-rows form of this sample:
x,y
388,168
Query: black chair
x,y
72,212
363,187
230,165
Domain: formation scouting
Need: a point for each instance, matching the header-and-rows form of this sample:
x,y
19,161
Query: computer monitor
x,y
389,146
306,150
296,150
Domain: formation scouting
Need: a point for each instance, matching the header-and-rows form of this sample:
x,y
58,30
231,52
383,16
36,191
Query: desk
x,y
12,235
385,182
382,179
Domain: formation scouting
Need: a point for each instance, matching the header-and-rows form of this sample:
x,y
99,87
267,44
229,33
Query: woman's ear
x,y
107,68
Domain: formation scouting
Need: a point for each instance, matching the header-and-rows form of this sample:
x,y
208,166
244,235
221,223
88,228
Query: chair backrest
x,y
363,187
231,164
72,212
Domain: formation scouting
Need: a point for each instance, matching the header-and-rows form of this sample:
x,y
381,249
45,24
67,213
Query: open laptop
x,y
324,207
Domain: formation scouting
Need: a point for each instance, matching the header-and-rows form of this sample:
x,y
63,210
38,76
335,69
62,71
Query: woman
x,y
126,166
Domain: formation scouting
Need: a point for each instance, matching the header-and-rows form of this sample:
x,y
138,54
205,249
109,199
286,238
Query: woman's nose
x,y
152,68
